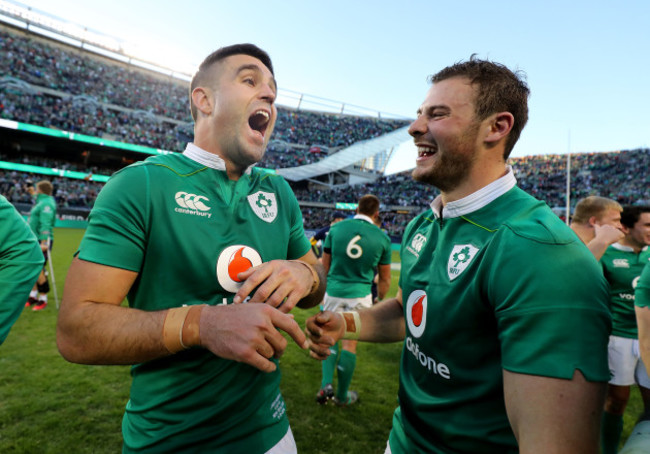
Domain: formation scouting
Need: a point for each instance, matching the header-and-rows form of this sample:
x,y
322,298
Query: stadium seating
x,y
50,85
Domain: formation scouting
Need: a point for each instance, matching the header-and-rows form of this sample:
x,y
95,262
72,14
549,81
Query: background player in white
x,y
597,222
353,250
623,262
204,375
478,272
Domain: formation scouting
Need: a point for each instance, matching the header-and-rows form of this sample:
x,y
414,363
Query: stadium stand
x,y
59,87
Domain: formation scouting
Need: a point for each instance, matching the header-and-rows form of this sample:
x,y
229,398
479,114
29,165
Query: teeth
x,y
264,113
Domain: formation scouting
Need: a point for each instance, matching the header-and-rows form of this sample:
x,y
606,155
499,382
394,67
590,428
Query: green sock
x,y
345,370
329,365
610,432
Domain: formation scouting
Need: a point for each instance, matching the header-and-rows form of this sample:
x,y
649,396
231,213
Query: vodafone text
x,y
426,361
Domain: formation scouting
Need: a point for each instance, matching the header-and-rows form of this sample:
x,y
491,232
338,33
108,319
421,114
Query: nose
x,y
418,127
268,92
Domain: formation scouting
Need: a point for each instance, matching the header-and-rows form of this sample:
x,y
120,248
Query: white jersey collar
x,y
622,247
476,200
206,158
363,217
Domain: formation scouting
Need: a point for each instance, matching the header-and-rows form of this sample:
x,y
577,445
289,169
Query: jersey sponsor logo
x,y
635,281
192,204
429,363
459,259
620,263
416,312
232,261
264,205
417,243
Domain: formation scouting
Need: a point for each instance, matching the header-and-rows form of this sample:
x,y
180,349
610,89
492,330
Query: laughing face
x,y
243,110
445,134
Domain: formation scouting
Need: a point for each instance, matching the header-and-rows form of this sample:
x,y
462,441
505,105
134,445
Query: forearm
x,y
384,322
597,247
96,333
643,323
382,289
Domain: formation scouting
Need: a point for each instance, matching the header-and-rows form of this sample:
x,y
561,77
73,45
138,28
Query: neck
x,y
585,233
479,177
630,242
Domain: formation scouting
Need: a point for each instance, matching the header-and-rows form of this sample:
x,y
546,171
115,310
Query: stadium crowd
x,y
613,175
62,88
88,95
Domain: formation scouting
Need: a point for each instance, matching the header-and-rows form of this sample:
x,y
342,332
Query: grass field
x,y
50,406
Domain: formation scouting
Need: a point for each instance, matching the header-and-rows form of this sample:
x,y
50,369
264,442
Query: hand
x,y
323,331
607,233
248,333
280,283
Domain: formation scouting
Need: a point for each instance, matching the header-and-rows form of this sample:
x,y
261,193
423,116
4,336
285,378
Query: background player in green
x,y
490,287
353,250
642,308
41,220
21,261
623,263
597,222
188,238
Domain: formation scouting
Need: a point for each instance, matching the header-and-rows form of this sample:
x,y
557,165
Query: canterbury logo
x,y
192,204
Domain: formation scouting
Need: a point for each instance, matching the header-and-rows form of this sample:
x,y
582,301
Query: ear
x,y
593,221
499,125
202,99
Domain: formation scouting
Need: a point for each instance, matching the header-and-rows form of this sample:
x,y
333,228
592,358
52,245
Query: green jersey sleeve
x,y
116,230
642,290
552,298
21,261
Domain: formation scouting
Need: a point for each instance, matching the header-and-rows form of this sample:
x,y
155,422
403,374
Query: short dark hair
x,y
368,205
202,75
498,90
631,214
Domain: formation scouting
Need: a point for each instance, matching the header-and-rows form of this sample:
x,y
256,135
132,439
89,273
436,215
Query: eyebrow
x,y
432,108
256,68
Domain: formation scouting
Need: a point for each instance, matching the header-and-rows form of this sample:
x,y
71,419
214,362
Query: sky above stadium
x,y
586,61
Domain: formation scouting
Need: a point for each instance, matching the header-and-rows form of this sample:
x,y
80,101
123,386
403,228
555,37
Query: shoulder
x,y
530,219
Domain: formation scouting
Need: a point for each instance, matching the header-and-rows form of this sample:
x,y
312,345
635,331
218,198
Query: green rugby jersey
x,y
497,283
357,247
42,217
188,230
622,267
21,261
642,290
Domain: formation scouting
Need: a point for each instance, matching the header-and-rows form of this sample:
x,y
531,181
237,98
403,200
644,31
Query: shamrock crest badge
x,y
459,259
264,205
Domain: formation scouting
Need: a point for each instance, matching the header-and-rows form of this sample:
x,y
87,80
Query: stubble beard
x,y
453,165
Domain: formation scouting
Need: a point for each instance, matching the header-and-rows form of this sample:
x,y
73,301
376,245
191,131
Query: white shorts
x,y
625,363
287,445
335,304
388,451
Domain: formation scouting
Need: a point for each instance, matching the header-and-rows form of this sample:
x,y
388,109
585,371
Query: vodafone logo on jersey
x,y
232,261
416,312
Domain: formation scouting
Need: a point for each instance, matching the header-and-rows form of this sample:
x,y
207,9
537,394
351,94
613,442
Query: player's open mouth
x,y
425,151
259,121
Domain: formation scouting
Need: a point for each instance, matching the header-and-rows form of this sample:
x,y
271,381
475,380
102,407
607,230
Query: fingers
x,y
248,333
287,324
276,283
